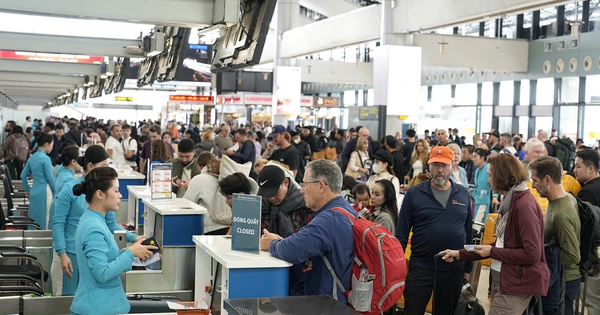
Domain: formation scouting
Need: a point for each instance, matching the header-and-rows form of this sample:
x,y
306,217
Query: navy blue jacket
x,y
328,234
434,227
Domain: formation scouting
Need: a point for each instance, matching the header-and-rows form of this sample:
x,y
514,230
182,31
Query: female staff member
x,y
483,190
68,211
39,166
519,268
418,159
100,290
64,174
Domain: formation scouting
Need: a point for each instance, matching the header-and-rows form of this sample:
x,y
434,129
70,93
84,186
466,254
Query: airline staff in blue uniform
x,y
67,214
100,262
39,166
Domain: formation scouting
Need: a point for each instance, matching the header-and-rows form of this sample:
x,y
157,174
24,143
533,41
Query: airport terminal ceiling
x,y
106,29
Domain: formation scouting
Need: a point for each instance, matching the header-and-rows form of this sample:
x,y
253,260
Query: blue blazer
x,y
100,262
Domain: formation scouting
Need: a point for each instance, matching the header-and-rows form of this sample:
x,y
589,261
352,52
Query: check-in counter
x,y
135,206
129,178
242,275
173,222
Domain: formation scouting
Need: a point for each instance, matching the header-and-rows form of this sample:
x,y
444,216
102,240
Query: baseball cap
x,y
494,133
269,180
384,156
277,129
441,154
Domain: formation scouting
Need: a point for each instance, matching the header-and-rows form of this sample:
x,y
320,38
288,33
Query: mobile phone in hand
x,y
470,248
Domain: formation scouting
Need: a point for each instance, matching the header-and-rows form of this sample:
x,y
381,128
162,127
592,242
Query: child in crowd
x,y
362,200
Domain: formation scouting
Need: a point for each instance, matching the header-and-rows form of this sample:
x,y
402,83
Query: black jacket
x,y
287,217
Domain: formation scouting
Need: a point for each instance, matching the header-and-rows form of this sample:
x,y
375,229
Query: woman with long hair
x,y
203,191
358,166
383,198
167,137
458,175
101,262
68,209
39,166
483,190
519,268
159,152
418,159
64,174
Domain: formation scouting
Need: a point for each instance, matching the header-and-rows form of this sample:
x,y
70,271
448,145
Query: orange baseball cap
x,y
441,154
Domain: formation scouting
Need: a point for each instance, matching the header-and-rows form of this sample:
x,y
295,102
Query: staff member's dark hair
x,y
100,178
68,154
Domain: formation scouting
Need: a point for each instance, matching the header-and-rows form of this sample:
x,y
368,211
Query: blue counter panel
x,y
123,183
179,229
258,282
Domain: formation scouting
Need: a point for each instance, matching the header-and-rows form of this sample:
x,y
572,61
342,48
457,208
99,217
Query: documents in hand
x,y
235,147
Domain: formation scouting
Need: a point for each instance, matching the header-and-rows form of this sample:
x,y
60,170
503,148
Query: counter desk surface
x,y
177,206
219,248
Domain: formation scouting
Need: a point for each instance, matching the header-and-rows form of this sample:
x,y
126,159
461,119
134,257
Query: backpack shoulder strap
x,y
336,281
343,211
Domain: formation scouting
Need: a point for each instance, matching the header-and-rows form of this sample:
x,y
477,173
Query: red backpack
x,y
379,268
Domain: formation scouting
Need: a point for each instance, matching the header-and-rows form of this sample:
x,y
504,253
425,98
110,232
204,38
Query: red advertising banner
x,y
192,98
24,55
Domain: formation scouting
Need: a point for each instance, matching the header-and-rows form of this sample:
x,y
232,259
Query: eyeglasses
x,y
304,184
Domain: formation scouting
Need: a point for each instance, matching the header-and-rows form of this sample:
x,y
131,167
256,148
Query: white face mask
x,y
377,168
479,142
296,141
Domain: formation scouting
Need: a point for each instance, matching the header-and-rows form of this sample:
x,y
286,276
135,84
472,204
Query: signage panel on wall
x,y
368,113
322,101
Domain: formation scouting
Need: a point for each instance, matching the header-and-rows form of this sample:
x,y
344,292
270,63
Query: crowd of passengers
x,y
432,192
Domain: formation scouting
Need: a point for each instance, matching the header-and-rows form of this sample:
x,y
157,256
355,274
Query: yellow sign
x,y
124,98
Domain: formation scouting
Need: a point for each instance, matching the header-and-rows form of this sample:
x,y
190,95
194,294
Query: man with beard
x,y
284,212
435,207
9,126
184,167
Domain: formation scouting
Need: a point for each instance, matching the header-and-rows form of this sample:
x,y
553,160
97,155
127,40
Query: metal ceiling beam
x,y
409,16
15,84
329,8
31,77
33,92
66,44
190,13
48,67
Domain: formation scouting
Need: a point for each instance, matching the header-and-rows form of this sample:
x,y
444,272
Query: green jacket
x,y
178,170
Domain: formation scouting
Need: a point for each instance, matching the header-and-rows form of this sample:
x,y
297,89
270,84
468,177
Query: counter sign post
x,y
245,223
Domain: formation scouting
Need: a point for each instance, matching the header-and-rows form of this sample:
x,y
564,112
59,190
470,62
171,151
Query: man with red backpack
x,y
355,261
329,234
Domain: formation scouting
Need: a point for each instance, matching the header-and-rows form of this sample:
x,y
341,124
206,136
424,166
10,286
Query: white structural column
x,y
396,74
286,18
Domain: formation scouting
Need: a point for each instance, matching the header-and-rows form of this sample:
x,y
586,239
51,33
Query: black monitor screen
x,y
171,59
243,43
196,64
